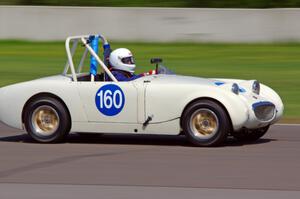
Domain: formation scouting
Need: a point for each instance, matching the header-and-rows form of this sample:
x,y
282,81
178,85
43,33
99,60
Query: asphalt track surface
x,y
132,166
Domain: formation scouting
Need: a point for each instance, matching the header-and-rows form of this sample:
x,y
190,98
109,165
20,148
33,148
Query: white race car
x,y
205,110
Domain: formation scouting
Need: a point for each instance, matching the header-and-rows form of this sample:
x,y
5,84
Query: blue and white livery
x,y
205,110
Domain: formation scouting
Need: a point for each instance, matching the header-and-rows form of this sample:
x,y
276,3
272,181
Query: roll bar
x,y
83,39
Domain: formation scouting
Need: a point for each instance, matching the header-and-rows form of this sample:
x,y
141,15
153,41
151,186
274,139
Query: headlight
x,y
256,87
235,88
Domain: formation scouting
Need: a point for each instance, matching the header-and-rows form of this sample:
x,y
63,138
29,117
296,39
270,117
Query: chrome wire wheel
x,y
45,120
204,123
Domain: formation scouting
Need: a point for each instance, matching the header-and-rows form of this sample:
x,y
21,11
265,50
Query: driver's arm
x,y
151,72
122,78
106,53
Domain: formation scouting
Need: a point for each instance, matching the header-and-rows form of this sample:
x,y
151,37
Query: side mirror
x,y
156,60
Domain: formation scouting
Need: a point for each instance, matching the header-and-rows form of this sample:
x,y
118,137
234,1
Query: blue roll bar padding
x,y
94,42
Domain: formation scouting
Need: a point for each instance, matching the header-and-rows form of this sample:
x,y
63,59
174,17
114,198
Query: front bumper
x,y
261,114
264,111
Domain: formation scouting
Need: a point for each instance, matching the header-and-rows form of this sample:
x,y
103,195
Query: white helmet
x,y
122,59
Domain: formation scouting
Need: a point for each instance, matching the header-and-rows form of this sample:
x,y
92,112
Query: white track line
x,y
286,124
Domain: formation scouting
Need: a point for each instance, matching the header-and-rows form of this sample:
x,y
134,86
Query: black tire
x,y
250,135
56,112
222,123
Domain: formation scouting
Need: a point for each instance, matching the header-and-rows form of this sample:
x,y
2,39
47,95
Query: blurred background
x,y
245,39
165,3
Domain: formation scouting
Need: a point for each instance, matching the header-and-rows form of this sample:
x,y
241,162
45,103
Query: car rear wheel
x,y
205,123
46,120
250,135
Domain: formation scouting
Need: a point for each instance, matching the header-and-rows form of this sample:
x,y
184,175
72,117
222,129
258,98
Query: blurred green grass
x,y
277,65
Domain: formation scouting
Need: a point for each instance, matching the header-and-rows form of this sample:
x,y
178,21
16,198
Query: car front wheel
x,y
46,120
205,123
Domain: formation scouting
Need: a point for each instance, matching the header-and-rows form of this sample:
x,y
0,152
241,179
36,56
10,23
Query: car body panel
x,y
166,100
165,128
150,104
14,97
266,94
88,90
161,97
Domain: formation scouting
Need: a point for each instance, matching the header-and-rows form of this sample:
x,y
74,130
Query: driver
x,y
122,65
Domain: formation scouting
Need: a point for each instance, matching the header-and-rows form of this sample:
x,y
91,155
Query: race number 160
x,y
110,99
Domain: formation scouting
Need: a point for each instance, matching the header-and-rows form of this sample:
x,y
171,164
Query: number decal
x,y
110,99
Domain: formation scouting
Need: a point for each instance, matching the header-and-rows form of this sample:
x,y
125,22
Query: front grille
x,y
264,111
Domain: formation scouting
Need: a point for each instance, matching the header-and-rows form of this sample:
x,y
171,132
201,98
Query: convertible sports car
x,y
205,110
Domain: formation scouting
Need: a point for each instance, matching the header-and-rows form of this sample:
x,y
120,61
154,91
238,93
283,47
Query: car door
x,y
109,101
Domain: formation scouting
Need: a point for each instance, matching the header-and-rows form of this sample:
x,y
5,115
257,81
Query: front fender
x,y
273,97
234,105
265,92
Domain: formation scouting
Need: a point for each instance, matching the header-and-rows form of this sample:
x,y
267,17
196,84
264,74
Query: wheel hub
x,y
45,120
204,123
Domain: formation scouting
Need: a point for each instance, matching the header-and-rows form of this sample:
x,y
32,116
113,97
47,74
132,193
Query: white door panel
x,y
163,101
109,102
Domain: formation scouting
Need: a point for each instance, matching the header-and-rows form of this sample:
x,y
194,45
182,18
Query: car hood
x,y
180,79
245,86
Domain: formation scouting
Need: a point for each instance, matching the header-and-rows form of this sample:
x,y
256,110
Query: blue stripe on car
x,y
262,103
219,83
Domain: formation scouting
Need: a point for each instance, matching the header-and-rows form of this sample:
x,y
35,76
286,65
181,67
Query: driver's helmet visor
x,y
128,60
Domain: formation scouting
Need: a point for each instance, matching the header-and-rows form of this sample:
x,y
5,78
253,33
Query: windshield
x,y
164,70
